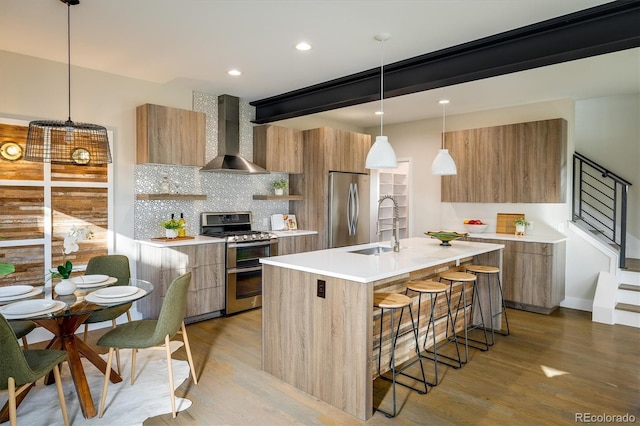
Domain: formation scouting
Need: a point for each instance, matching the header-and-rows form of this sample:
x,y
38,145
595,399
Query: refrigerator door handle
x,y
350,209
356,214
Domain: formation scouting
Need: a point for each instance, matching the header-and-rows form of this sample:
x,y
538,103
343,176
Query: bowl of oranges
x,y
475,226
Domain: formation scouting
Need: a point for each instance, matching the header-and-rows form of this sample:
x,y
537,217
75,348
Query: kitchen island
x,y
318,318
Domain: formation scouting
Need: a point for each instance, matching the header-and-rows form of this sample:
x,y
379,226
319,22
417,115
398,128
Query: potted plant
x,y
280,185
171,228
520,224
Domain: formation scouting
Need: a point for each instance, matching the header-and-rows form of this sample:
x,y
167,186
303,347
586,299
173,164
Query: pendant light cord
x,y
444,105
381,86
69,55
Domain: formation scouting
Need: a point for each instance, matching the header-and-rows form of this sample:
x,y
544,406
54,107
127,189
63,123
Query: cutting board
x,y
172,239
504,223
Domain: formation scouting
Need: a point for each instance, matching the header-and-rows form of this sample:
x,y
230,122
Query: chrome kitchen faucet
x,y
396,221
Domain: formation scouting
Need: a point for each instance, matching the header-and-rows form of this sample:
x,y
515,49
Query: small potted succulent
x,y
521,223
171,228
280,185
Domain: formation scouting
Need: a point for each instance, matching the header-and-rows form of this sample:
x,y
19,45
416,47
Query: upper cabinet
x,y
515,163
168,135
342,150
277,149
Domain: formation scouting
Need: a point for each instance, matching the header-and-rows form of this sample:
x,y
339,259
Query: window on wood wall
x,y
40,202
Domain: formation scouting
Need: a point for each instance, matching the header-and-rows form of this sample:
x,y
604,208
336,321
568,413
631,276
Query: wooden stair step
x,y
633,265
629,287
627,307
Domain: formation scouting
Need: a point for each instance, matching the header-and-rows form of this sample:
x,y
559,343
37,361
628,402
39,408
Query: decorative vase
x,y
520,229
171,233
279,191
65,287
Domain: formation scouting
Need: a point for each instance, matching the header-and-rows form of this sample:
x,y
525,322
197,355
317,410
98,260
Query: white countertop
x,y
415,254
548,238
293,233
197,239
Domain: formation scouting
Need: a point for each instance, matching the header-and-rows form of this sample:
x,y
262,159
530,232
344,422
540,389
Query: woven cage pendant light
x,y
381,154
443,164
67,142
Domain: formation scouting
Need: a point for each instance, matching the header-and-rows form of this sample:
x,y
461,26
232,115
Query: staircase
x,y
627,310
599,210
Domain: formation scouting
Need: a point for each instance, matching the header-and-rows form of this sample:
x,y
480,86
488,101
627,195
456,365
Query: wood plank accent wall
x,y
23,208
85,208
21,212
514,163
29,264
19,169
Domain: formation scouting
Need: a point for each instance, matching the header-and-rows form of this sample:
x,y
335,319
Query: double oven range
x,y
244,248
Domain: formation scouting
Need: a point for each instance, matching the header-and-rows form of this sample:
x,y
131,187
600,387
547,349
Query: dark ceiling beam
x,y
599,30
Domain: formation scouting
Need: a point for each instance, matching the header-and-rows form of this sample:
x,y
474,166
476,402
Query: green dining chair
x,y
23,367
144,334
21,329
117,266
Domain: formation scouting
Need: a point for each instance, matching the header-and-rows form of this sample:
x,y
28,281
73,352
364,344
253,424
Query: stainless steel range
x,y
245,247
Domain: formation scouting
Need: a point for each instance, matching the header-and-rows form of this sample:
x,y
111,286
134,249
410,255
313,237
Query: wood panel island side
x,y
318,319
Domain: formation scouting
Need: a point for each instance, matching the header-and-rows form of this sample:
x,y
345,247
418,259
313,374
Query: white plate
x,y
36,291
91,297
116,292
14,290
57,305
27,307
109,280
90,279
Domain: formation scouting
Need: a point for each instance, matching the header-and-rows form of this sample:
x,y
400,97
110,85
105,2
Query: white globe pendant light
x,y
381,154
443,165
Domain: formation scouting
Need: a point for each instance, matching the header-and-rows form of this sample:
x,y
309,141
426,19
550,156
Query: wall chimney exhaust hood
x,y
228,159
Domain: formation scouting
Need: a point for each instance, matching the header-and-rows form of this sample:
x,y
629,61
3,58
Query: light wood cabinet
x,y
515,163
168,135
533,274
161,265
325,150
277,149
296,244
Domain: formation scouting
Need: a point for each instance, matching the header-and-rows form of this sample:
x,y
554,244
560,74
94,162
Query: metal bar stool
x,y
392,302
464,278
488,272
434,289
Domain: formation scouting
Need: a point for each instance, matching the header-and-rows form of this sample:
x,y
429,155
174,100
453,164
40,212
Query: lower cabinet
x,y
296,244
533,274
161,265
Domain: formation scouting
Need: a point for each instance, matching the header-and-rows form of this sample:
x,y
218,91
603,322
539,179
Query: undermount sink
x,y
372,250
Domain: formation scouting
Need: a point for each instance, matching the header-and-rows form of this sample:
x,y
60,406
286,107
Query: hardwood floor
x,y
549,369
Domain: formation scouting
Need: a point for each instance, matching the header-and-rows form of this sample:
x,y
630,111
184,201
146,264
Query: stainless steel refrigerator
x,y
349,198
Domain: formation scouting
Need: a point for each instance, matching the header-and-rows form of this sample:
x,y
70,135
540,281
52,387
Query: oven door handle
x,y
254,244
237,270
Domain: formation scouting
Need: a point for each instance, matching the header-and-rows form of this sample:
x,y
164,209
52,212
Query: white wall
x,y
608,132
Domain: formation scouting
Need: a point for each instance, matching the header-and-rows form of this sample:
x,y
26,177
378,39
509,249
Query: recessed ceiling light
x,y
379,113
303,46
443,101
234,72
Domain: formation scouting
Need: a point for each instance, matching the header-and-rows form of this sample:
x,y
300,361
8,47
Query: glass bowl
x,y
445,237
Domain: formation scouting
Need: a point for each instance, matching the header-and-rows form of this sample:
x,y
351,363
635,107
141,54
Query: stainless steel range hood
x,y
228,159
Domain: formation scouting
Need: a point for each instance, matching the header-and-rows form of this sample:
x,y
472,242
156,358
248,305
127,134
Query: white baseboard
x,y
577,303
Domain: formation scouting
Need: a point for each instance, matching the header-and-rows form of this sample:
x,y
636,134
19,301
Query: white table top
x,y
415,254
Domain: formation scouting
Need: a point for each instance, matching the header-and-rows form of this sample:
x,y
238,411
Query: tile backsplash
x,y
225,191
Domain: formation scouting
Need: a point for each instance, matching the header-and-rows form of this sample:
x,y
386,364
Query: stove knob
x,y
245,237
253,236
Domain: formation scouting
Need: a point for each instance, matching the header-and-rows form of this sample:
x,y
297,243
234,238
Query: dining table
x,y
65,316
